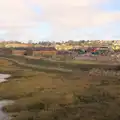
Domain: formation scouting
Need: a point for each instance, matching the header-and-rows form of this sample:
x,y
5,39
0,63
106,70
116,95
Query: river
x,y
3,115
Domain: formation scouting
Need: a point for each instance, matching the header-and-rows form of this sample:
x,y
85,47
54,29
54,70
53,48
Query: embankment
x,y
58,66
34,66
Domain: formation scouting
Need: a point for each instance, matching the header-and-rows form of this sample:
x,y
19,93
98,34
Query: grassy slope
x,y
58,96
73,65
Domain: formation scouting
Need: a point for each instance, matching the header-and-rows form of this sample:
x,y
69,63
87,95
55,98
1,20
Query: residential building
x,y
17,45
41,51
63,47
5,51
19,51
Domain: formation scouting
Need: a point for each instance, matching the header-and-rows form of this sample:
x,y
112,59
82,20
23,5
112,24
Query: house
x,y
19,51
17,45
41,51
63,52
63,47
116,47
29,52
104,48
5,51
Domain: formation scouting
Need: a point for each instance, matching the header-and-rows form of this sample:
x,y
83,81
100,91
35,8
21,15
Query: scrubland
x,y
48,95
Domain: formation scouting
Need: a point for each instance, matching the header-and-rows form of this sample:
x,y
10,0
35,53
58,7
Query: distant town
x,y
103,50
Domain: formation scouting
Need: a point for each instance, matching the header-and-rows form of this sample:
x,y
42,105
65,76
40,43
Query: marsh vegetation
x,y
43,95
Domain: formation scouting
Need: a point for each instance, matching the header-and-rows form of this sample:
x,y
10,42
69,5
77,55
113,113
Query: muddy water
x,y
4,116
3,77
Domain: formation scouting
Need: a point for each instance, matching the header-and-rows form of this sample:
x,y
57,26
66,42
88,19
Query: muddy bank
x,y
3,115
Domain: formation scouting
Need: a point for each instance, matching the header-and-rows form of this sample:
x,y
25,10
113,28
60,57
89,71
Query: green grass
x,y
43,95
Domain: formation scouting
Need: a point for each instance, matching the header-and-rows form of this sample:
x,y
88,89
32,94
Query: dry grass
x,y
87,65
58,96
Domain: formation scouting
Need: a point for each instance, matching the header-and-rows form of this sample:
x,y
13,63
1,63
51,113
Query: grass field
x,y
73,65
59,96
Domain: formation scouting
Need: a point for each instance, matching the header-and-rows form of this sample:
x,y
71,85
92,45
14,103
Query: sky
x,y
59,20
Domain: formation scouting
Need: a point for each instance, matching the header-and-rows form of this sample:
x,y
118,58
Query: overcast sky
x,y
59,19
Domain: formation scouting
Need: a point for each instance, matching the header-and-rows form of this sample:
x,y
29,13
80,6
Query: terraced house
x,y
19,51
5,51
41,51
63,47
17,45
